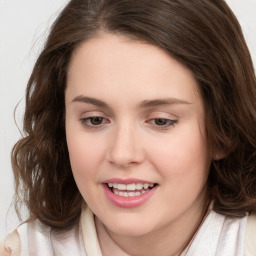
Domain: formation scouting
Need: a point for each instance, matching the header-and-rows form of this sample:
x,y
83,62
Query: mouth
x,y
130,190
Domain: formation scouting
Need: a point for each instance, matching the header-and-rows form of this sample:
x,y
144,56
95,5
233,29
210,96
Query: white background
x,y
23,28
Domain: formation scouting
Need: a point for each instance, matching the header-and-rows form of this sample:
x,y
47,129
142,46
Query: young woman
x,y
140,134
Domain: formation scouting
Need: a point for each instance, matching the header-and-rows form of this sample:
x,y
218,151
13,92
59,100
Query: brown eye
x,y
96,120
161,121
93,121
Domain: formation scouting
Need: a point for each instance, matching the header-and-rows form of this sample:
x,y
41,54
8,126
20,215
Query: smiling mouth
x,y
130,190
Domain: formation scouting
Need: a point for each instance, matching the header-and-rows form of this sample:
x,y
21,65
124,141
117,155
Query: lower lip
x,y
128,202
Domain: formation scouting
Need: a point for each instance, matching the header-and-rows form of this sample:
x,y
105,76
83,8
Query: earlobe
x,y
219,154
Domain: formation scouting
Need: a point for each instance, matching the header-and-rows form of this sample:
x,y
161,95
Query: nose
x,y
126,148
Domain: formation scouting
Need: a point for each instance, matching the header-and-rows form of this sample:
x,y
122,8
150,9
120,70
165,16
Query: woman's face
x,y
136,135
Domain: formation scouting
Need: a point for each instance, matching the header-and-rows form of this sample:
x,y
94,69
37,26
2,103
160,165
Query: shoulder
x,y
11,246
250,236
35,238
24,237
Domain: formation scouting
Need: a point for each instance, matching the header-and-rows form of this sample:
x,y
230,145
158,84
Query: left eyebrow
x,y
162,102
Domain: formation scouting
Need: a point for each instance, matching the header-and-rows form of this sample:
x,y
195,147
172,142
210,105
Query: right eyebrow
x,y
92,101
89,100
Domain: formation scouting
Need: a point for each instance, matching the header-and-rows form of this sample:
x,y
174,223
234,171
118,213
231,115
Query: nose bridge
x,y
125,148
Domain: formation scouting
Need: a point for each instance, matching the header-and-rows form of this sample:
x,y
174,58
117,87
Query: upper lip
x,y
127,181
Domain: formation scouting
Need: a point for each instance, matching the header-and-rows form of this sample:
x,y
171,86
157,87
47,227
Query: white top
x,y
218,236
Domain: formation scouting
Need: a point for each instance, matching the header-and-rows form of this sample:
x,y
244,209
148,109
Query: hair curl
x,y
202,34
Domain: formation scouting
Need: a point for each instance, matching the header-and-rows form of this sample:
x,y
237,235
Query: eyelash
x,y
88,122
165,123
168,123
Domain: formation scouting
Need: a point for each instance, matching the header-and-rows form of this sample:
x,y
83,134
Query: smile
x,y
129,194
130,190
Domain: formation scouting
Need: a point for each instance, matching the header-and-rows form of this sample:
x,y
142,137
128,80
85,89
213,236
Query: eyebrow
x,y
90,100
162,102
143,104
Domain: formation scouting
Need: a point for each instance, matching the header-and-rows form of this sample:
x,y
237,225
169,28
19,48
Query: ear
x,y
219,154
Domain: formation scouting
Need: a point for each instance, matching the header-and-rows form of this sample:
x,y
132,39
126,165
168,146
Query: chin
x,y
130,227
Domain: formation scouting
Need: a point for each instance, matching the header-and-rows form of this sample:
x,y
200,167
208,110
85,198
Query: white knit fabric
x,y
38,240
218,236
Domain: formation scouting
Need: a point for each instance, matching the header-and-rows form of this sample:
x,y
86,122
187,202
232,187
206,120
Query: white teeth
x,y
129,194
130,190
131,187
139,186
146,186
121,186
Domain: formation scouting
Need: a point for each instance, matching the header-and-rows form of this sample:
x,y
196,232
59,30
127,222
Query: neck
x,y
170,240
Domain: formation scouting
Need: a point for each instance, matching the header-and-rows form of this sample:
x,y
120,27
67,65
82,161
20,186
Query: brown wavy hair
x,y
202,34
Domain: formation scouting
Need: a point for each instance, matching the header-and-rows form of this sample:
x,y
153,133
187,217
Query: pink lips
x,y
127,202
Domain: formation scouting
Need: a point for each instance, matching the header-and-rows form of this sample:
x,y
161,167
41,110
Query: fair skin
x,y
134,113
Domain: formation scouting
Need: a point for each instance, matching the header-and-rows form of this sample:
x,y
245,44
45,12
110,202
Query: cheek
x,y
182,155
84,159
85,154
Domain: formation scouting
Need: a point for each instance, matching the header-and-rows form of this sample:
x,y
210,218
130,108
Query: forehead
x,y
110,63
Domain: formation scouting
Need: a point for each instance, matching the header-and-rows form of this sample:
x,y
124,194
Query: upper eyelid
x,y
161,114
90,117
167,119
147,116
94,113
163,128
